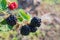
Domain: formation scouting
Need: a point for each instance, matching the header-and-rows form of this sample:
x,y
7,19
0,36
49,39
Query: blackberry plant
x,y
20,16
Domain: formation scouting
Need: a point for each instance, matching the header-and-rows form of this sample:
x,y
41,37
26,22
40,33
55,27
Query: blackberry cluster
x,y
25,30
36,22
11,20
32,27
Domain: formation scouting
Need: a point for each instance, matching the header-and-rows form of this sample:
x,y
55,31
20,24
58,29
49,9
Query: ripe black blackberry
x,y
25,30
11,20
36,22
32,28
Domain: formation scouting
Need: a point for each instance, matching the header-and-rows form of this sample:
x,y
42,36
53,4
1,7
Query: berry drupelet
x,y
36,22
11,20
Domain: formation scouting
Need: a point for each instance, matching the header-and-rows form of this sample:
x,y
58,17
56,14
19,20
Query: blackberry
x,y
25,30
36,22
32,28
11,20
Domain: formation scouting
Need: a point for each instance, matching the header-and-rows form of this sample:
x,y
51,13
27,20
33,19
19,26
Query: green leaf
x,y
0,5
3,22
10,27
20,19
24,14
4,4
